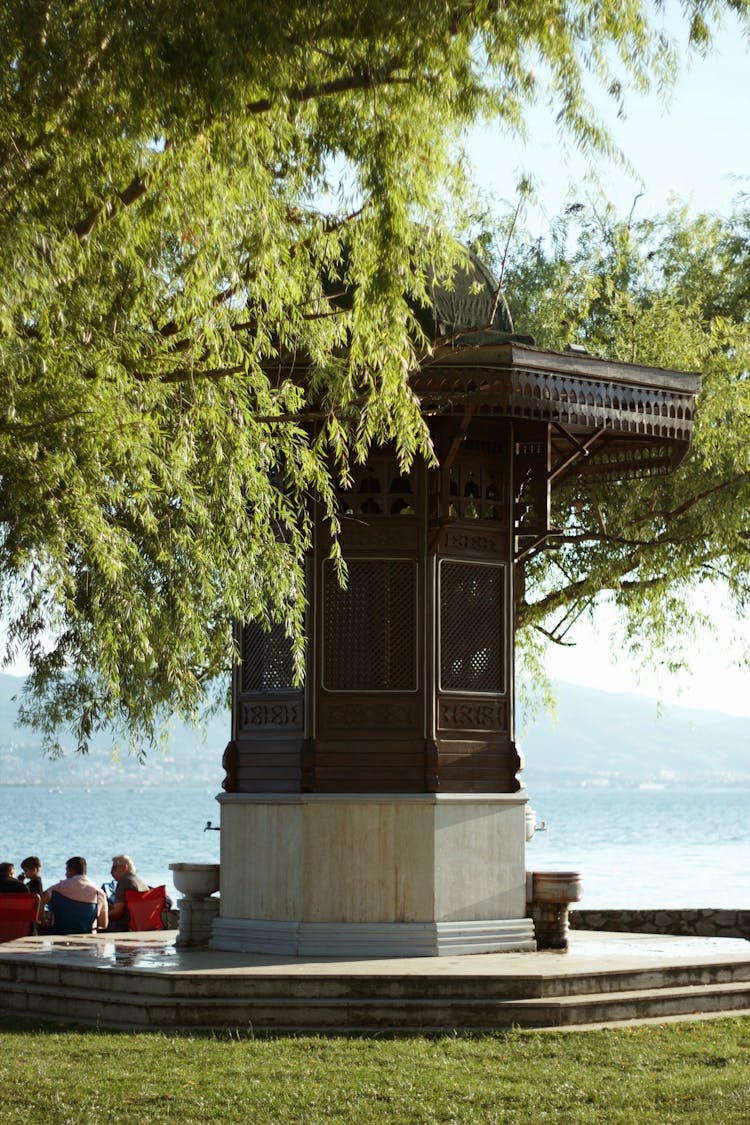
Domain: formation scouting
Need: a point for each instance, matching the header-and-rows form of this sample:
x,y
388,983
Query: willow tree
x,y
669,292
183,190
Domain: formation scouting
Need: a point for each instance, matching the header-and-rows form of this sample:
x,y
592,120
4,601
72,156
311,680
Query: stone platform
x,y
144,981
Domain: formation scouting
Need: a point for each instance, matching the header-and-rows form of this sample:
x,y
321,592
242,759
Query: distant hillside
x,y
623,738
191,758
598,738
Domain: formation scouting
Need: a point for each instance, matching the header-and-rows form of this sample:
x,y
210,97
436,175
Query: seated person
x,y
123,872
31,866
77,888
9,885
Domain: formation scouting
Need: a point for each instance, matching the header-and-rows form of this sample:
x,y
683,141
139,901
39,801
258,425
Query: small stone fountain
x,y
197,882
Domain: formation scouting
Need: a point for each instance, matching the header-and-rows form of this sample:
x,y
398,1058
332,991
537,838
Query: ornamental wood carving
x,y
271,714
370,715
472,715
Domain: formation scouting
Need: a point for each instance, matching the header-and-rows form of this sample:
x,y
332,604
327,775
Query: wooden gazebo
x,y
378,810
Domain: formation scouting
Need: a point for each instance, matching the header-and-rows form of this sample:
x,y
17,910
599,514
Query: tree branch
x,y
137,188
21,429
691,502
330,226
68,97
359,80
620,541
553,637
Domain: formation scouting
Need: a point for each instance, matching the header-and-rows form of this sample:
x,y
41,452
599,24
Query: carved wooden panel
x,y
464,540
563,397
531,465
620,460
473,482
382,535
368,715
472,714
379,489
271,714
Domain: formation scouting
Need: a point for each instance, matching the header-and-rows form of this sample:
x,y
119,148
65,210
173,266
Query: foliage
x,y
694,1072
671,293
177,182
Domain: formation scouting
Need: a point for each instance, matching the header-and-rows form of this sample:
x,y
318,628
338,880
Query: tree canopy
x,y
179,185
671,292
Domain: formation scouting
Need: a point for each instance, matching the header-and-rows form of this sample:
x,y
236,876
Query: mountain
x,y
597,738
192,757
604,737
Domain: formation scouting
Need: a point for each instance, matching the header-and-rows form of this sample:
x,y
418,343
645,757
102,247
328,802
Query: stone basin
x,y
196,880
557,886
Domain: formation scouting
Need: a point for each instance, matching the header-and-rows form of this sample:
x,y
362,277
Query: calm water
x,y
154,826
648,847
634,848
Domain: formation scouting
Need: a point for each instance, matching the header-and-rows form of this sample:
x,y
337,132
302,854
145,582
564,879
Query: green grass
x,y
688,1072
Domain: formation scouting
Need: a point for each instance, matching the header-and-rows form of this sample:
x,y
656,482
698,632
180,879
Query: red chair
x,y
17,916
145,908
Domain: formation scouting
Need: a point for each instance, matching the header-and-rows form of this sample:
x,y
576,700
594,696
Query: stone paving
x,y
157,953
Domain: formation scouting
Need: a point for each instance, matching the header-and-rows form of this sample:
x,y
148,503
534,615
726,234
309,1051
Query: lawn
x,y
684,1072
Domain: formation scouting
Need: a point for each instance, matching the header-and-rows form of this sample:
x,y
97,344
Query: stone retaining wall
x,y
697,923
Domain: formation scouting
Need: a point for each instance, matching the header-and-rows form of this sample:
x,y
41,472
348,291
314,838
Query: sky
x,y
694,149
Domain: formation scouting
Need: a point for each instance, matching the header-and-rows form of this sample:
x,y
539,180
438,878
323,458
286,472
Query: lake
x,y
154,826
644,848
634,847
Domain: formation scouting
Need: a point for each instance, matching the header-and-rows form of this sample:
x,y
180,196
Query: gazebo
x,y
378,810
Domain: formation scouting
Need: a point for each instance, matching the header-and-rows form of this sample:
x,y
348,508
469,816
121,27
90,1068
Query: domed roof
x,y
471,307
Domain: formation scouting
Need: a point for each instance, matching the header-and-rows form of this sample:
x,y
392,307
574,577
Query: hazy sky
x,y
695,149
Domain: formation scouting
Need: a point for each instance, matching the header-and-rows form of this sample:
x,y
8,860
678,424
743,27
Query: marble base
x,y
376,940
376,875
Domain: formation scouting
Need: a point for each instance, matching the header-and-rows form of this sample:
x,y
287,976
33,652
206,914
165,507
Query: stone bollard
x,y
197,881
551,893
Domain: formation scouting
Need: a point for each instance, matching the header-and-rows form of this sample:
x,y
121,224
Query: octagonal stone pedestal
x,y
377,875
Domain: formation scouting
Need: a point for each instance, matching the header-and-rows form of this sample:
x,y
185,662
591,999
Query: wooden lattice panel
x,y
471,627
267,661
370,628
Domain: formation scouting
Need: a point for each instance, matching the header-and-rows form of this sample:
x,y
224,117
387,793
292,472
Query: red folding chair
x,y
145,908
17,916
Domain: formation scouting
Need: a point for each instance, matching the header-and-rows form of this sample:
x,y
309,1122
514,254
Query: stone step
x,y
638,1004
277,985
105,1007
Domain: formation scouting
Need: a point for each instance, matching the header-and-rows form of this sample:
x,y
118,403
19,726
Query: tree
x,y
183,190
673,293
